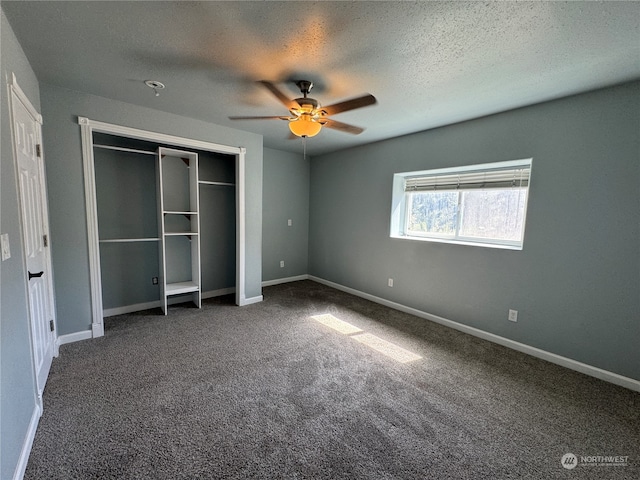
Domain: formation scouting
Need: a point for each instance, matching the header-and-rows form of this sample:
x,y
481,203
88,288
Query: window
x,y
480,205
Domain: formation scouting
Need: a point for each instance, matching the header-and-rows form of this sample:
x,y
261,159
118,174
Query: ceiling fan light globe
x,y
304,127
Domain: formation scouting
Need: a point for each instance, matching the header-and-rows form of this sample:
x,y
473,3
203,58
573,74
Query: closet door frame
x,y
87,128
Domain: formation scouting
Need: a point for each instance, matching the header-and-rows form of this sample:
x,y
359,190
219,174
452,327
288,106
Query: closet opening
x,y
165,220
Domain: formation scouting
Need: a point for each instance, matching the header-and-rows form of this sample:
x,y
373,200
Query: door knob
x,y
35,275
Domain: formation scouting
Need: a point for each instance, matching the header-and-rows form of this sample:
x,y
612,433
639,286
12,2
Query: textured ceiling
x,y
428,63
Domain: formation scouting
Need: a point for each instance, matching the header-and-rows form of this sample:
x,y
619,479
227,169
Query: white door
x,y
34,216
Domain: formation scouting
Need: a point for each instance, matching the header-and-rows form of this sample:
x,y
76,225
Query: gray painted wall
x,y
576,284
127,208
60,108
17,381
285,196
218,221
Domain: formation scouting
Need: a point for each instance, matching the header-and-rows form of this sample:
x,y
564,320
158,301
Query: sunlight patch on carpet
x,y
387,348
337,324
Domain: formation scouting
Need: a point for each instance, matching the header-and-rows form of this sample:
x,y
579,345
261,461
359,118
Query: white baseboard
x,y
74,337
97,330
278,281
138,307
21,467
590,370
218,293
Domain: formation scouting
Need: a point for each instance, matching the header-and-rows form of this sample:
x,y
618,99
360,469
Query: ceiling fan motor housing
x,y
308,102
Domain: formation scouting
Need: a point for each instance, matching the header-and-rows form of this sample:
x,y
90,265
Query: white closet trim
x,y
87,127
93,239
241,298
13,84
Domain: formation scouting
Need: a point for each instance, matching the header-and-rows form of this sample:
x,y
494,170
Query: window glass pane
x,y
495,213
433,213
470,205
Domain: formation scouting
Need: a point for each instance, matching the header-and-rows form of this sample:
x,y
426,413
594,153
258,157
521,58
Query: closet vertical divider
x,y
179,225
161,255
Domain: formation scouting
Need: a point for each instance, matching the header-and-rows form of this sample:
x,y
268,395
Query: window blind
x,y
491,178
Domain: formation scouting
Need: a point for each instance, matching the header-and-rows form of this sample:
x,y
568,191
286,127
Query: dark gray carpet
x,y
265,392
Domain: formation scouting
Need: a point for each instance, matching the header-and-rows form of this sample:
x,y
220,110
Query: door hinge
x,y
45,240
38,150
51,325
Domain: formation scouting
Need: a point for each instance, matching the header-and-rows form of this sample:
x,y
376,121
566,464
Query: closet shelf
x,y
173,212
127,240
224,184
123,149
181,287
167,234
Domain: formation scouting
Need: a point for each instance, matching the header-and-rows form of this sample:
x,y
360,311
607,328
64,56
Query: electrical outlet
x,y
281,263
154,280
6,251
390,282
289,222
513,315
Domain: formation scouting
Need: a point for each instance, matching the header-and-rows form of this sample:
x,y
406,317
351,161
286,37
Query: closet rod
x,y
224,184
127,240
123,149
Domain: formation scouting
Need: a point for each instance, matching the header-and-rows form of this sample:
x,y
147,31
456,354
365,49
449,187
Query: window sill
x,y
458,242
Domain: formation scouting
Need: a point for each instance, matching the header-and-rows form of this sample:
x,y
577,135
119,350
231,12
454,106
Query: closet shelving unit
x,y
151,198
179,224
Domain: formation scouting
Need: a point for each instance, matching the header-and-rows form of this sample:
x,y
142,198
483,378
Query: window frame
x,y
401,207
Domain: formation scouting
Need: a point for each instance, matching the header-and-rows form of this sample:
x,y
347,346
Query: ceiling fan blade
x,y
352,104
277,117
286,101
343,127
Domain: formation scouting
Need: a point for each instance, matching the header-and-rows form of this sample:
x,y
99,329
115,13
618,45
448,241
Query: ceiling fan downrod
x,y
305,87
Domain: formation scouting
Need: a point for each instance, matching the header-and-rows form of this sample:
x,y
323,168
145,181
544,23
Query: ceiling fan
x,y
307,117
